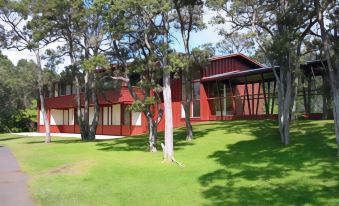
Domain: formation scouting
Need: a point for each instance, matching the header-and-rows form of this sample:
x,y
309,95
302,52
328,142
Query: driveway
x,y
41,134
13,183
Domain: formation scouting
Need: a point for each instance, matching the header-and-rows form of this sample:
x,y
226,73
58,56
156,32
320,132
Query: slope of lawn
x,y
229,163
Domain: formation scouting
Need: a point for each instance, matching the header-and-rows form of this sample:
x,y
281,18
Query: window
x,y
66,118
116,114
127,116
183,91
68,89
136,118
56,90
196,99
62,90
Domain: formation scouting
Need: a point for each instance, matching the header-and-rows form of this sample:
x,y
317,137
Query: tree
x,y
188,18
22,36
329,11
131,37
79,24
235,43
279,28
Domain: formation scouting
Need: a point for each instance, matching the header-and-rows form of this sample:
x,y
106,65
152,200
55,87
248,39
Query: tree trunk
x,y
326,97
41,95
153,135
84,123
333,69
168,150
187,104
285,100
95,121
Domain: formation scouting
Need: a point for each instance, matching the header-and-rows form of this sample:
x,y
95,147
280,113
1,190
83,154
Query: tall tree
x,y
79,24
279,28
235,42
327,13
21,36
188,18
131,38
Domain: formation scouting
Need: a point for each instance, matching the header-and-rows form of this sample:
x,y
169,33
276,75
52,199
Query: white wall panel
x,y
65,121
136,118
182,111
56,117
106,116
116,114
41,118
91,115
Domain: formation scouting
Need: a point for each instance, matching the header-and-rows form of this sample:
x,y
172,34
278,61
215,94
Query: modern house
x,y
230,87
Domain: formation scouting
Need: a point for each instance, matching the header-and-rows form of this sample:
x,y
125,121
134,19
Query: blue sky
x,y
208,35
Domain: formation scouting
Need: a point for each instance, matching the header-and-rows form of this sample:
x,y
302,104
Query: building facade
x,y
229,88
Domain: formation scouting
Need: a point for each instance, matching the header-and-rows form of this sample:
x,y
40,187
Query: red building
x,y
230,87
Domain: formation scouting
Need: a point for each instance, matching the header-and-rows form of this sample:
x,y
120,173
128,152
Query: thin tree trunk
x,y
168,150
285,100
41,95
333,70
95,121
187,104
85,132
152,135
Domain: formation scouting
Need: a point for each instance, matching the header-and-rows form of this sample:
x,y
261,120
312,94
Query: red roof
x,y
244,57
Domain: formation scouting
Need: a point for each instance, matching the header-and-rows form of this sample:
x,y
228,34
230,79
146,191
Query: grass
x,y
229,163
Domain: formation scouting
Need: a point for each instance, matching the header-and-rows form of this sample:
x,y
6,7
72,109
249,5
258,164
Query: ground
x,y
229,163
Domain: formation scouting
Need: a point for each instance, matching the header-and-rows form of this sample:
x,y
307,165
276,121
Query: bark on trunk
x,y
335,92
41,96
168,150
333,68
153,135
187,104
285,100
95,121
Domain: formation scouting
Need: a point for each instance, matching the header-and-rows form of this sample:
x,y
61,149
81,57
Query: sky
x,y
208,35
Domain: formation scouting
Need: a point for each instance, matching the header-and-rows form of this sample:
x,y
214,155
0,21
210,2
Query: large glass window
x,y
127,116
62,90
196,99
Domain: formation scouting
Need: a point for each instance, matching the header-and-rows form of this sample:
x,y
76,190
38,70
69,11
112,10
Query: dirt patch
x,y
75,168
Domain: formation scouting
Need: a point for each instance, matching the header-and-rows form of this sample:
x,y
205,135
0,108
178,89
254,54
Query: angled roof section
x,y
245,58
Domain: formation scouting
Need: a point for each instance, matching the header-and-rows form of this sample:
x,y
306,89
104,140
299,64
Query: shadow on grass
x,y
11,138
262,171
140,142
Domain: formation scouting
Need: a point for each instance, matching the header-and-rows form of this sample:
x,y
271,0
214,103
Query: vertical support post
x,y
233,96
218,88
309,91
243,102
269,96
273,96
304,93
248,97
264,91
252,98
258,98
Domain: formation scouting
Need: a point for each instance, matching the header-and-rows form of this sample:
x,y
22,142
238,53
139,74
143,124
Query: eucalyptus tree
x,y
21,35
131,37
78,25
156,15
235,42
188,18
279,28
327,13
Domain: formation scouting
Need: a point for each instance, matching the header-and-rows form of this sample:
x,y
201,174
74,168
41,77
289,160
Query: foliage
x,y
18,94
236,42
229,163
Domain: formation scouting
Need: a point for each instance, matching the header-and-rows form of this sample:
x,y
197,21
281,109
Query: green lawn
x,y
229,163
